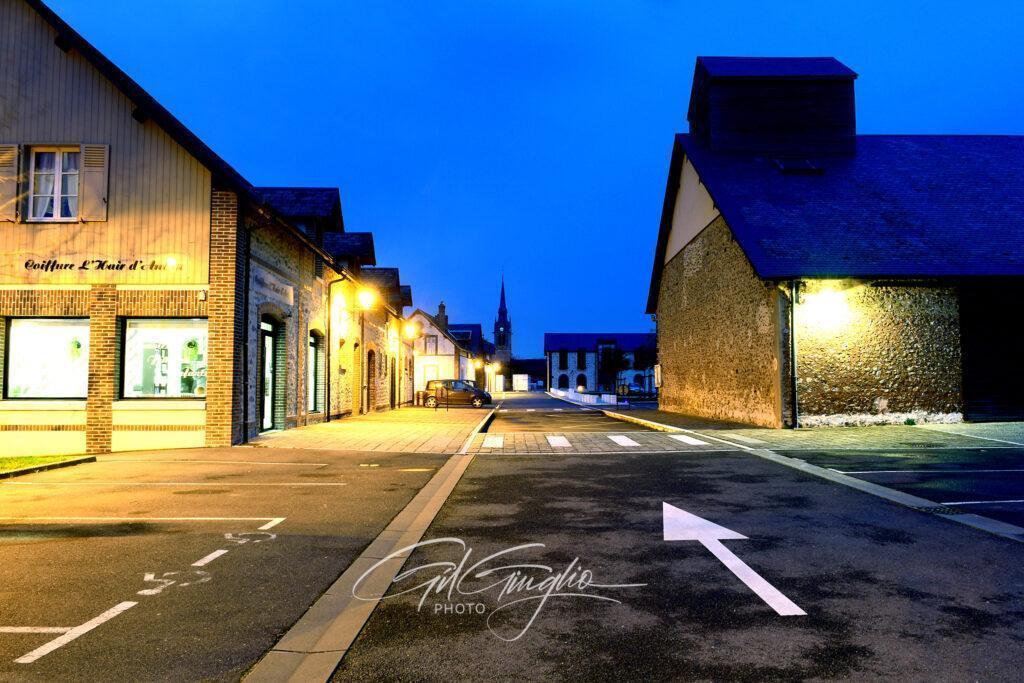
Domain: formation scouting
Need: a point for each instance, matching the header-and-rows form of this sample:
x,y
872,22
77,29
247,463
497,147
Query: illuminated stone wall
x,y
718,334
873,350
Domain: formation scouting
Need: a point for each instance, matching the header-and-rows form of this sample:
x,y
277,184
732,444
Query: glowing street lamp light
x,y
367,298
478,364
412,331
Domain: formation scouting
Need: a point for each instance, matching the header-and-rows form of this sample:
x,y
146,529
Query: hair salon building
x,y
150,297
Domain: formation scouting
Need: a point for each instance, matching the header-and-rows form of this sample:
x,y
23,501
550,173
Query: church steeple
x,y
503,329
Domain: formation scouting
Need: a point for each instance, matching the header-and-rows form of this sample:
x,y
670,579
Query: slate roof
x,y
351,245
571,341
775,67
388,283
476,344
902,206
303,202
406,291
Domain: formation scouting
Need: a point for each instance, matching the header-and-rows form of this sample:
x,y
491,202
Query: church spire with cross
x,y
503,330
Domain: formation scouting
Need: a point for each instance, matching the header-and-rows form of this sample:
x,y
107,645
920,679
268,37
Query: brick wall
x,y
719,334
223,401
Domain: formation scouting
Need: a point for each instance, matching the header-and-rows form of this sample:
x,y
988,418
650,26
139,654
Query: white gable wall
x,y
693,212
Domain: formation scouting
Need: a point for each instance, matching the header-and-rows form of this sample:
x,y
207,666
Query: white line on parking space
x,y
35,629
924,471
170,483
209,558
270,521
558,410
980,502
745,439
970,436
558,442
494,442
531,410
74,633
688,439
623,440
217,462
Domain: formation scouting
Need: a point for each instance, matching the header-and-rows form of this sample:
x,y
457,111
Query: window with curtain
x,y
430,345
54,184
47,358
165,358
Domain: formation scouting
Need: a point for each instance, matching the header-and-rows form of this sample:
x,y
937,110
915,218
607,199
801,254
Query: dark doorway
x,y
267,379
993,360
563,381
371,381
394,383
581,382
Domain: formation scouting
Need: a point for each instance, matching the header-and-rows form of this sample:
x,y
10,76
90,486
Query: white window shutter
x,y
93,192
8,183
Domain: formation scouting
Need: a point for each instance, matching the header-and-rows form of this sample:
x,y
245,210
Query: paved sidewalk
x,y
407,430
960,435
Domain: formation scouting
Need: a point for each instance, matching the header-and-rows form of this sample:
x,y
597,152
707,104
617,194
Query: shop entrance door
x,y
267,375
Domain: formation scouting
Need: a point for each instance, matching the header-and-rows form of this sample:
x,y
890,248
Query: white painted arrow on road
x,y
680,525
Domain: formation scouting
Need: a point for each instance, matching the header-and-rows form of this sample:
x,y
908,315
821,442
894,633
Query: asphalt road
x,y
162,513
983,481
888,592
535,412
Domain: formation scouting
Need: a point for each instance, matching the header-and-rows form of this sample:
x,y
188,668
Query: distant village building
x,y
446,350
609,362
150,296
805,274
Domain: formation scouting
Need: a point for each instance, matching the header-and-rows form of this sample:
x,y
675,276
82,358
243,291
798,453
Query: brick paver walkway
x,y
407,430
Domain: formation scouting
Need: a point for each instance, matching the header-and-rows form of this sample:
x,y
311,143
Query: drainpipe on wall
x,y
794,292
245,326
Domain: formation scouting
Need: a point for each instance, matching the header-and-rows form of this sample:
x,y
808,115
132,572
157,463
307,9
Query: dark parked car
x,y
455,392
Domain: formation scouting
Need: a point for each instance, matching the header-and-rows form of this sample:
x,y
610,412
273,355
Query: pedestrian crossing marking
x,y
559,442
623,440
688,440
494,441
745,439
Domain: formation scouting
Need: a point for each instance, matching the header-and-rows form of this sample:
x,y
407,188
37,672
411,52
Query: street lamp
x,y
412,331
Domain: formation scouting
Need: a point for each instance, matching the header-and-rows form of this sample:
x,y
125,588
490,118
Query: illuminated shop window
x,y
48,358
165,358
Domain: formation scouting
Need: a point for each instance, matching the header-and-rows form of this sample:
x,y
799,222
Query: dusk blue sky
x,y
473,137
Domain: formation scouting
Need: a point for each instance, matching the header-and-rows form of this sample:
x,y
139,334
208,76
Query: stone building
x,y
584,361
805,274
503,332
150,296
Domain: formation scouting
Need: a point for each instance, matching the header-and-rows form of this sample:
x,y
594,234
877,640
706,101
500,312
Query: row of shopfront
x,y
150,296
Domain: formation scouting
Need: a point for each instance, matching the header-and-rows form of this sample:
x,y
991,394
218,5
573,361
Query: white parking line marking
x,y
273,521
688,440
74,633
923,471
559,442
623,440
558,410
531,410
209,558
980,502
745,439
35,629
969,436
494,442
169,483
217,462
